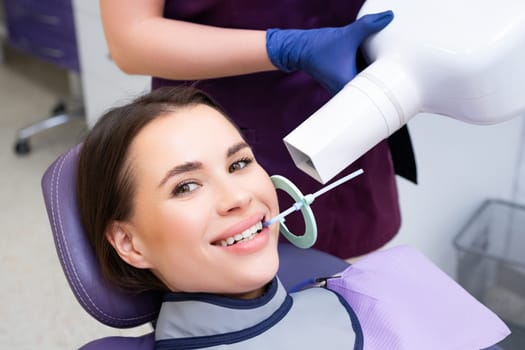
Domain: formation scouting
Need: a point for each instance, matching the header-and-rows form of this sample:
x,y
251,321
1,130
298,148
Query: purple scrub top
x,y
359,216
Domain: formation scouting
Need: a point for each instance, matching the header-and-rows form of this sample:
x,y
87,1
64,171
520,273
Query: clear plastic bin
x,y
491,263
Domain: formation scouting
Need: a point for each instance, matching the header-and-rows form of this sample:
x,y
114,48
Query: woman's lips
x,y
246,235
239,228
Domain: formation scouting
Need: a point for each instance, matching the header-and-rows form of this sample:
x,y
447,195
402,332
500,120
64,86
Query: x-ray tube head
x,y
461,59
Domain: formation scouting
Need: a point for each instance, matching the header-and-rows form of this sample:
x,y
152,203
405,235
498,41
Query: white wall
x,y
459,166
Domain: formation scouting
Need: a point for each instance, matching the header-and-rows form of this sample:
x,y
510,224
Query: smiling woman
x,y
208,197
172,198
177,185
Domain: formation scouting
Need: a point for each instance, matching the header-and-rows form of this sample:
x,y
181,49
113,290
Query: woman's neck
x,y
249,295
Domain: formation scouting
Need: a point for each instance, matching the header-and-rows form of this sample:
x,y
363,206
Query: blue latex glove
x,y
326,54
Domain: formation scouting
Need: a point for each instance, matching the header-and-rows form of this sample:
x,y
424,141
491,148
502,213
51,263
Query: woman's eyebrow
x,y
236,148
179,169
191,166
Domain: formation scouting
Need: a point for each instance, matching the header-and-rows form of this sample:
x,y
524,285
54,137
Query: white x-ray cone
x,y
461,59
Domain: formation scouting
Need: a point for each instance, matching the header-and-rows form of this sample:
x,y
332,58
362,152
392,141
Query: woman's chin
x,y
259,278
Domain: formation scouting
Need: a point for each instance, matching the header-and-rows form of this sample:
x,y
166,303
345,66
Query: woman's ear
x,y
122,237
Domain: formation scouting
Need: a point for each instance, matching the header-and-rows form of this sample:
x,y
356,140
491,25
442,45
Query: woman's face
x,y
199,203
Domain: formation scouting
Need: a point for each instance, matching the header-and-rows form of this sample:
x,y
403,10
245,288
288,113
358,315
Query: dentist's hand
x,y
327,54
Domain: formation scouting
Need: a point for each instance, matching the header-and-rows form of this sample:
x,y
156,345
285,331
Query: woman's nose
x,y
232,197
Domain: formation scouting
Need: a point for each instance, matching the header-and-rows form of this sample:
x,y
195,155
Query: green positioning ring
x,y
310,235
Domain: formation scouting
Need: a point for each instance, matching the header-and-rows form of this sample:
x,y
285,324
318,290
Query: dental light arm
x,y
458,59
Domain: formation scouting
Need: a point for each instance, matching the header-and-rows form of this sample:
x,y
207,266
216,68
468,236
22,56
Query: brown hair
x,y
105,181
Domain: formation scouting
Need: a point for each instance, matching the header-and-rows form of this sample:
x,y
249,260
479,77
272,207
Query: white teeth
x,y
247,234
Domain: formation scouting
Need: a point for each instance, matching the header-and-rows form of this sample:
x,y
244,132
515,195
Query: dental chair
x,y
110,305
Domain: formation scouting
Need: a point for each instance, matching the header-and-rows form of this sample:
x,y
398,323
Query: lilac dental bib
x,y
403,301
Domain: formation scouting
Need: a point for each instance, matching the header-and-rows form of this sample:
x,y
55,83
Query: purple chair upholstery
x,y
110,305
104,302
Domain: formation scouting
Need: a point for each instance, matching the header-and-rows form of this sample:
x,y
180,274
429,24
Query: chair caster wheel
x,y
59,108
22,147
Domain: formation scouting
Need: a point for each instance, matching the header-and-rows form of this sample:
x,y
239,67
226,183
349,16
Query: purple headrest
x,y
104,302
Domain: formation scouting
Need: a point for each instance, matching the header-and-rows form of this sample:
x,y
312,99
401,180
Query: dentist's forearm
x,y
141,41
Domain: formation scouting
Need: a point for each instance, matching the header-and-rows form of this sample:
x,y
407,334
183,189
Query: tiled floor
x,y
37,308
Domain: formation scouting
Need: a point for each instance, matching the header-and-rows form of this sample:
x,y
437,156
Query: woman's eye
x,y
240,164
185,188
